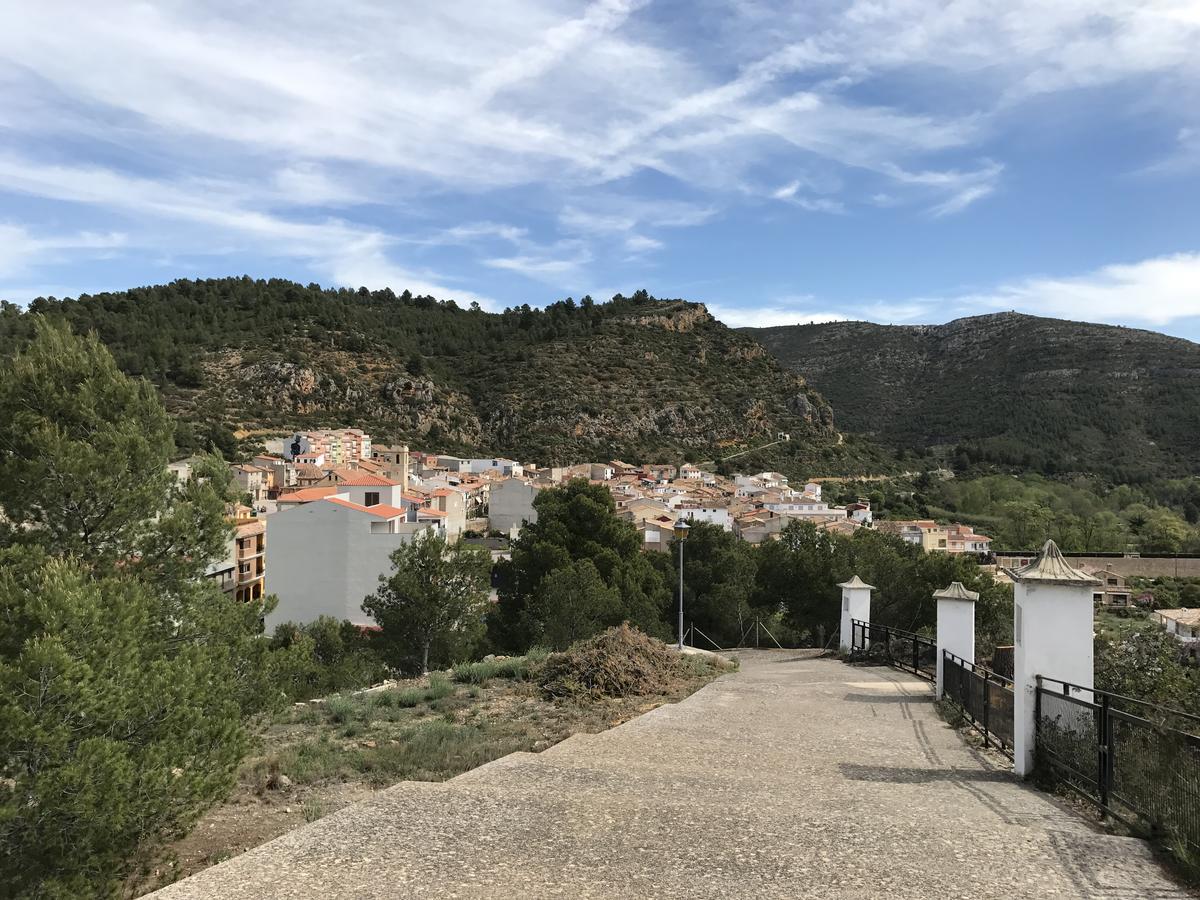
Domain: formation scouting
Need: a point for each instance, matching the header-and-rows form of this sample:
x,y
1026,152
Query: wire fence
x,y
895,647
1137,761
984,697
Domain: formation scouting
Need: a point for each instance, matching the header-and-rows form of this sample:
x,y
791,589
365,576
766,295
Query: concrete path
x,y
795,777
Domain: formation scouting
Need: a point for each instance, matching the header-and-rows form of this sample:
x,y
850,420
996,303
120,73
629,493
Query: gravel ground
x,y
794,777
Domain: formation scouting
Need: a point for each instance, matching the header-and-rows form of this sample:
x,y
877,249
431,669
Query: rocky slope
x,y
637,377
1018,390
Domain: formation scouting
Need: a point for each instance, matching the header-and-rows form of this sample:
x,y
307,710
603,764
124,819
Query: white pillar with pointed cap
x,y
856,604
955,625
1052,636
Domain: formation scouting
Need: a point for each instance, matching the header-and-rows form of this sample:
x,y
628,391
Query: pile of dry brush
x,y
621,662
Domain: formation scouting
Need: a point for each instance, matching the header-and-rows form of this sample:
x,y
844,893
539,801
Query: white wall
x,y
718,516
389,494
955,632
1052,636
325,561
856,604
510,503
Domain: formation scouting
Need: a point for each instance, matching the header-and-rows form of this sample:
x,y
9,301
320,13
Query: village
x,y
338,505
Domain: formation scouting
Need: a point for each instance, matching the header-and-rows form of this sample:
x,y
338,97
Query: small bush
x,y
313,810
439,686
517,668
339,709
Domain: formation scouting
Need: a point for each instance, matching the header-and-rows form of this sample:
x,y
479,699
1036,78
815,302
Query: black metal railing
x,y
895,647
984,697
1137,761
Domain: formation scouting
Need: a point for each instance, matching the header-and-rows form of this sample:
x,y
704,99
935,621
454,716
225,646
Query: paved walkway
x,y
795,777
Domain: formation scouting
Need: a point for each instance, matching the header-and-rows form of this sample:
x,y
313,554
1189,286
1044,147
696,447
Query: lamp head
x,y
681,530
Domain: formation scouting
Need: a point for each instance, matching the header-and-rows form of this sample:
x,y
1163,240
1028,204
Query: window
x,y
372,498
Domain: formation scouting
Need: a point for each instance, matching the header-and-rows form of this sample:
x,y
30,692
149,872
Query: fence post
x,y
1052,636
987,702
916,656
955,626
856,604
1103,744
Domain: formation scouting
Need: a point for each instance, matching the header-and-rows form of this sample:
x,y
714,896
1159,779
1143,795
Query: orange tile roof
x,y
307,495
380,510
428,511
364,479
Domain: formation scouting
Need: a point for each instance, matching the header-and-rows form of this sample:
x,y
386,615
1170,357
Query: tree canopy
x,y
125,676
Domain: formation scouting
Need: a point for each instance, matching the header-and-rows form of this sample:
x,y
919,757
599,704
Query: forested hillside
x,y
636,377
1015,390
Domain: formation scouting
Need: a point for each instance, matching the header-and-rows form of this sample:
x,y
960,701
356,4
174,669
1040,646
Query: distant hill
x,y
1024,391
636,378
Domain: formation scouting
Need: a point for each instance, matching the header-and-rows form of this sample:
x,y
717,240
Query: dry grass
x,y
317,757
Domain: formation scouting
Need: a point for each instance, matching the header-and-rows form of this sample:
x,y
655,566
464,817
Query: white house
x,y
712,513
506,467
327,556
1184,624
510,504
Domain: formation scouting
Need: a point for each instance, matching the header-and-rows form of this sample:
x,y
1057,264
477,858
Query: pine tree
x,y
125,675
435,594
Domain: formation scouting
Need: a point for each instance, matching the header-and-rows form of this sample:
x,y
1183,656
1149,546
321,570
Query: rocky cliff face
x,y
635,377
1014,389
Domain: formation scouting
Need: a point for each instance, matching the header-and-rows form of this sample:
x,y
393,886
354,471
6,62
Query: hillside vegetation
x,y
1015,390
636,377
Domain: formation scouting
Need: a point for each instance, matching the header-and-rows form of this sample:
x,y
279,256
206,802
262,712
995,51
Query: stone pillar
x,y
1052,636
856,604
955,625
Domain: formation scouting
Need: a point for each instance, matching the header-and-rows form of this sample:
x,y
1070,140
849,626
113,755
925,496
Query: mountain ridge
x,y
636,377
1010,388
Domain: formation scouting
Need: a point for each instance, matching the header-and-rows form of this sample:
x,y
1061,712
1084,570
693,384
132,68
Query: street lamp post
x,y
681,533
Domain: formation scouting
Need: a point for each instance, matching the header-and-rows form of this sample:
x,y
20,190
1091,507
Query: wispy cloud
x,y
533,136
21,251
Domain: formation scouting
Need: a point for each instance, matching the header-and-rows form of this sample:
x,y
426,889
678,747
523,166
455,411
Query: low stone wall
x,y
1142,566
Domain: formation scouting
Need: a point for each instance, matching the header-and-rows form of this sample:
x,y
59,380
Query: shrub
x,y
339,709
324,657
439,686
517,668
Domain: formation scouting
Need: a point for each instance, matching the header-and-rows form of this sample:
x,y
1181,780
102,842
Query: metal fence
x,y
895,647
1137,761
985,698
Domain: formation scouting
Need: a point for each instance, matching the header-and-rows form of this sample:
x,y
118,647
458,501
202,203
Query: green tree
x,y
82,450
719,571
1025,524
576,522
1145,664
436,594
1163,532
125,675
119,729
572,603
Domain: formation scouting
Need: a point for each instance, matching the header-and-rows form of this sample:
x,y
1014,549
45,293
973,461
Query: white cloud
x,y
1154,291
20,250
544,266
351,255
229,118
639,243
781,311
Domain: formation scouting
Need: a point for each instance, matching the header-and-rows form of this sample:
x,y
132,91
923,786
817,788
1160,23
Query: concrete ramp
x,y
795,777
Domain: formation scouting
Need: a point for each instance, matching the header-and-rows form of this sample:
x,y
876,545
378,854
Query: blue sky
x,y
890,160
